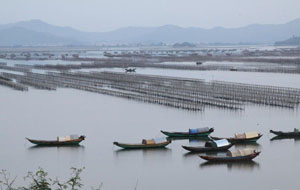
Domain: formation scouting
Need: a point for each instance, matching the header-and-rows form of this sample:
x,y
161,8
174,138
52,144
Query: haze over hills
x,y
294,41
36,32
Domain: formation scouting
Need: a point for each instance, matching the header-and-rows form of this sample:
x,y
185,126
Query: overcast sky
x,y
105,15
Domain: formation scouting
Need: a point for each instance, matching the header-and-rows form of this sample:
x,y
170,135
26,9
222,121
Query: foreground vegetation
x,y
39,180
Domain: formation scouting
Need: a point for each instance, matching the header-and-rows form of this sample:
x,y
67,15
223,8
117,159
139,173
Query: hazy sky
x,y
104,15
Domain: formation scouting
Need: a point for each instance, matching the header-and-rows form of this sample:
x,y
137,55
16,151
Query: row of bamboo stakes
x,y
149,63
13,85
185,93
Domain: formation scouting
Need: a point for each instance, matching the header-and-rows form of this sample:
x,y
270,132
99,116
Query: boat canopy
x,y
241,152
67,138
251,134
148,141
218,143
199,130
222,142
154,141
246,135
73,137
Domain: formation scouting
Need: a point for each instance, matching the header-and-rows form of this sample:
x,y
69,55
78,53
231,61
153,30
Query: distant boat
x,y
199,132
152,143
236,156
219,145
129,69
198,63
295,133
73,140
242,138
108,54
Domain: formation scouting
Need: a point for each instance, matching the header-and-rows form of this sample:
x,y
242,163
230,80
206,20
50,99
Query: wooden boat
x,y
243,139
143,145
130,69
232,158
210,146
72,142
202,133
295,133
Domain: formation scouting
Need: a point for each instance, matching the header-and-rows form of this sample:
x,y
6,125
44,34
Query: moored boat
x,y
61,141
295,133
152,143
242,138
233,156
199,132
210,146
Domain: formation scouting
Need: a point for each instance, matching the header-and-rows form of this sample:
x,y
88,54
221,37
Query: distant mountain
x,y
36,32
294,41
16,36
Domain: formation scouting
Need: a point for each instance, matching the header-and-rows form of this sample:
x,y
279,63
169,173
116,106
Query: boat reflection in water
x,y
36,147
58,149
253,145
155,154
65,153
243,165
278,138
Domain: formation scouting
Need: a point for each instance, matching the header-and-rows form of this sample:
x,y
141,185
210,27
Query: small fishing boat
x,y
242,138
72,140
152,143
295,133
199,132
233,156
129,69
219,145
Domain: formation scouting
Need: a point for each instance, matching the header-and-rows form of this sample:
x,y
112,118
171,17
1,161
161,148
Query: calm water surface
x,y
104,119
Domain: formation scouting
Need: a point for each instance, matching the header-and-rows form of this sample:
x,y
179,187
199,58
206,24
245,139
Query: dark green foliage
x,y
39,180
